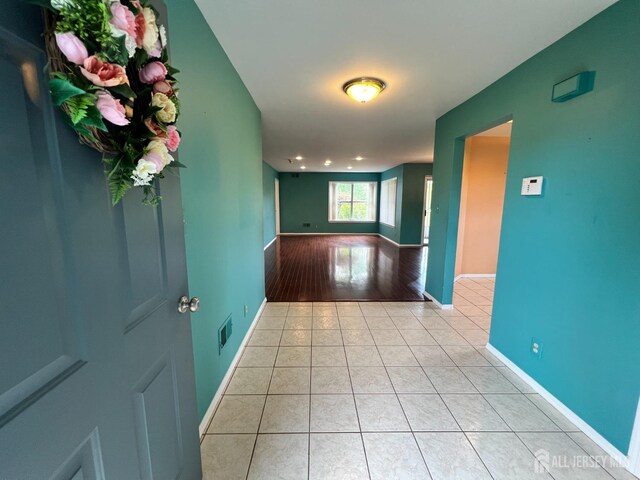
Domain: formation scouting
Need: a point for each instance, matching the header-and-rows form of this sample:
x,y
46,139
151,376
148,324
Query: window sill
x,y
387,225
353,221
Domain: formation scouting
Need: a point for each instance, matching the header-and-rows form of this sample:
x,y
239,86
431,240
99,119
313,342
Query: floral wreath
x,y
110,75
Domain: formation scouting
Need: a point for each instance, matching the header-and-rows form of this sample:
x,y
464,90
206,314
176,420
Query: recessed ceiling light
x,y
358,158
303,167
298,157
349,167
364,89
327,163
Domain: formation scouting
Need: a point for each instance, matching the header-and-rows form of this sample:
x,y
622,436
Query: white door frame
x,y
277,205
424,207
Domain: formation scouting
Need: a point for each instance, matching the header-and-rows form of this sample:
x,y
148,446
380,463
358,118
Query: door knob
x,y
185,304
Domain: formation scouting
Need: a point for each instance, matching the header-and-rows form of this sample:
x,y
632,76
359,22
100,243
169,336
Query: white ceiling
x,y
294,56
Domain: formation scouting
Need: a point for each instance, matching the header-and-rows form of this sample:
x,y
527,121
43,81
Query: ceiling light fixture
x,y
364,89
358,158
327,163
349,167
303,167
298,157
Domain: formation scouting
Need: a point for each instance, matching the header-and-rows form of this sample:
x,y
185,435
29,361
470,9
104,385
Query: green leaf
x,y
93,118
172,70
117,52
77,114
124,91
177,164
151,110
119,183
62,89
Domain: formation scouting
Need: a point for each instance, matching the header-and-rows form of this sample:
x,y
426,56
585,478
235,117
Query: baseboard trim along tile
x,y
208,416
269,244
438,304
474,275
566,411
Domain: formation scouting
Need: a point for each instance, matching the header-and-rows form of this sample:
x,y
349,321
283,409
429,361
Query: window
x,y
388,201
352,201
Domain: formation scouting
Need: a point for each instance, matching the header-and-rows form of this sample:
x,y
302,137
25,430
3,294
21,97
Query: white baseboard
x,y
400,245
293,234
567,412
439,305
475,275
208,416
269,244
634,446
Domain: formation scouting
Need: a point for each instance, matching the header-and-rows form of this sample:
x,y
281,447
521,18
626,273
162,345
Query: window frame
x,y
333,201
384,184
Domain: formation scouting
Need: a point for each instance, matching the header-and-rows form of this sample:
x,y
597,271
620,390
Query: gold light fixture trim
x,y
364,89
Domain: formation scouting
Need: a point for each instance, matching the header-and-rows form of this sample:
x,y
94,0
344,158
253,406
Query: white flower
x,y
143,174
60,4
168,112
159,147
151,31
129,41
163,36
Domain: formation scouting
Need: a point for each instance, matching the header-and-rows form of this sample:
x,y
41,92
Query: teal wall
x,y
568,263
305,199
393,233
222,193
413,202
409,204
269,176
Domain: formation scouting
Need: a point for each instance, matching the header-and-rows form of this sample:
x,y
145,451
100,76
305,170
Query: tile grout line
x,y
255,443
456,420
355,406
415,441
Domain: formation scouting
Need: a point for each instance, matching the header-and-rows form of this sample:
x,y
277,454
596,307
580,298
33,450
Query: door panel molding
x,y
145,257
47,342
84,463
157,421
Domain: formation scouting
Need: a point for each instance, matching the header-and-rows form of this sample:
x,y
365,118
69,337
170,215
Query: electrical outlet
x,y
246,310
536,347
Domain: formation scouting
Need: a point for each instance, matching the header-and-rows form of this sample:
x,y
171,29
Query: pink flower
x,y
141,23
153,72
156,159
123,19
111,109
72,47
173,138
154,128
163,87
102,73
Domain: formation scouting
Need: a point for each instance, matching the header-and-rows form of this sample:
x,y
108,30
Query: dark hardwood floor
x,y
341,268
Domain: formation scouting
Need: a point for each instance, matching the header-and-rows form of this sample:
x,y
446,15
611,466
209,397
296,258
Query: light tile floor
x,y
387,391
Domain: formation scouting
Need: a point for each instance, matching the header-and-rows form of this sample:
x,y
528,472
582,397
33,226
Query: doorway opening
x,y
426,209
484,175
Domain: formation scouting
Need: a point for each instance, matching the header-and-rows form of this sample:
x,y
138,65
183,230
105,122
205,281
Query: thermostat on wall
x,y
531,186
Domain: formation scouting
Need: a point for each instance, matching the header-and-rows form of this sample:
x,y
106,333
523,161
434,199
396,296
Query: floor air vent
x,y
224,333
